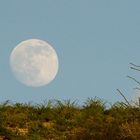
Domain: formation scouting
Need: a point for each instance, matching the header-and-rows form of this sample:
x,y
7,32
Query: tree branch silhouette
x,y
123,97
134,79
135,65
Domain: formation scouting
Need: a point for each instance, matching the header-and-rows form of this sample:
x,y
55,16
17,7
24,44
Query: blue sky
x,y
95,41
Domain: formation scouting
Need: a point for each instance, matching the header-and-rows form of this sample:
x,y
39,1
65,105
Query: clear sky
x,y
95,41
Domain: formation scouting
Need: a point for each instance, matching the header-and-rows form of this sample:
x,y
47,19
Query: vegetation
x,y
66,120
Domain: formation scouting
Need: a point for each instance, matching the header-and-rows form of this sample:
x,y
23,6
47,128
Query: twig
x,y
123,96
135,68
134,79
136,88
134,65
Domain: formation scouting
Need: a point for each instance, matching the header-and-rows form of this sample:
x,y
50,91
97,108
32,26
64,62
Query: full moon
x,y
34,62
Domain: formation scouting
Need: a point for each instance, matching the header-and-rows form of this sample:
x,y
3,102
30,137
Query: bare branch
x,y
136,88
134,79
123,97
134,65
135,68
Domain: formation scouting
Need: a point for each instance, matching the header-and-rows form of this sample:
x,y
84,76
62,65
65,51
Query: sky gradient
x,y
95,41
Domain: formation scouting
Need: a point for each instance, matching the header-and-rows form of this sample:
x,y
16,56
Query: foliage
x,y
65,120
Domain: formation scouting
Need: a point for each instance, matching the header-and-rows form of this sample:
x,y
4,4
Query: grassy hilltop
x,y
67,121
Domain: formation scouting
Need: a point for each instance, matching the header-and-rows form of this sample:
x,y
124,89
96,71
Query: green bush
x,y
67,121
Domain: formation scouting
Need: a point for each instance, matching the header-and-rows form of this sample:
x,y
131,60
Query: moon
x,y
34,62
